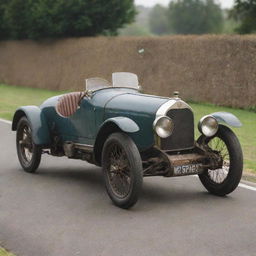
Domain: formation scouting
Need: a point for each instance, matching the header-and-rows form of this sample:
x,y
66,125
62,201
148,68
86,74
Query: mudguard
x,y
40,131
228,118
124,123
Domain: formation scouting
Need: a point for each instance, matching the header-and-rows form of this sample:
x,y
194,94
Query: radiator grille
x,y
183,133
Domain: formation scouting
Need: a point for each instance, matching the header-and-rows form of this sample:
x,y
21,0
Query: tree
x,y
61,18
17,18
230,23
245,12
195,17
3,26
158,20
140,27
134,30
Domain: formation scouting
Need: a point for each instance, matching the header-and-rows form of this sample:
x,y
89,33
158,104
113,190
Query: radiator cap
x,y
176,94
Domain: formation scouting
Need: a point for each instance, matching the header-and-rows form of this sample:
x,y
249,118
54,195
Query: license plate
x,y
187,169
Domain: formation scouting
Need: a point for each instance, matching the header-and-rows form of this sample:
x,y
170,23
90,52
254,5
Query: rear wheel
x,y
122,169
29,154
225,179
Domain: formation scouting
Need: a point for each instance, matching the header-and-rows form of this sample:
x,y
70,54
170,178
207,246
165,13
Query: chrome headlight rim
x,y
161,131
208,126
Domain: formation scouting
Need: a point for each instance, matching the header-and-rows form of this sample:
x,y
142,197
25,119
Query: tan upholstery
x,y
68,103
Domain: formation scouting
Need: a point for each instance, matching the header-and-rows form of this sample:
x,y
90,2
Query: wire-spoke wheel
x,y
217,145
119,171
224,179
29,154
122,169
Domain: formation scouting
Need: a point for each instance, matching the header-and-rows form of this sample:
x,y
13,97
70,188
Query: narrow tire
x,y
29,154
234,174
122,163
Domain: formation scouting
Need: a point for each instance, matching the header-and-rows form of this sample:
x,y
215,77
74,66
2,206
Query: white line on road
x,y
241,185
5,121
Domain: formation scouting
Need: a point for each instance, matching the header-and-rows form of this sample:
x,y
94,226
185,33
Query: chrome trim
x,y
199,126
157,140
172,104
155,123
85,147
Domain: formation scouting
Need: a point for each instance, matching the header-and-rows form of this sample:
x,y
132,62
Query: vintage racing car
x,y
131,135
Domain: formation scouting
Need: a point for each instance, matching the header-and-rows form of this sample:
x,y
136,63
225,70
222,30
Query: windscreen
x,y
94,84
125,79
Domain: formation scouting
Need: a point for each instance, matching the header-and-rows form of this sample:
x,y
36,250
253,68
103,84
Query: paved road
x,y
63,210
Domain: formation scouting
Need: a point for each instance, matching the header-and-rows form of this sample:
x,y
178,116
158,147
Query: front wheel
x,y
122,169
225,178
29,154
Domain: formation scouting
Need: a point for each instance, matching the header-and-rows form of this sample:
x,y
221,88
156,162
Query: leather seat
x,y
68,103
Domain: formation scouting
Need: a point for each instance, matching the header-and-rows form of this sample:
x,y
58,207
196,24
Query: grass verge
x,y
3,252
12,97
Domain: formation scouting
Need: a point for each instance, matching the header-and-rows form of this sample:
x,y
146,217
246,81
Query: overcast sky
x,y
224,3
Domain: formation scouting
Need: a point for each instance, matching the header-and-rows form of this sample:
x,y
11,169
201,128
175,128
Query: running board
x,y
70,148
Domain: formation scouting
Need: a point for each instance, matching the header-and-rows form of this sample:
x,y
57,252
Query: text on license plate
x,y
187,169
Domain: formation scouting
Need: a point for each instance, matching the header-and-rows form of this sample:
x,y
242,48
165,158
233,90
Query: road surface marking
x,y
241,185
5,121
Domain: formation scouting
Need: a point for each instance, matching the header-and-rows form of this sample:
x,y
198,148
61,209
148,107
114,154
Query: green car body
x,y
156,134
102,107
128,109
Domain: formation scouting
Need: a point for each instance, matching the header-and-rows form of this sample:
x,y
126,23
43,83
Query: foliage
x,y
142,15
134,30
3,27
245,12
61,18
230,26
140,27
17,18
195,17
158,20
